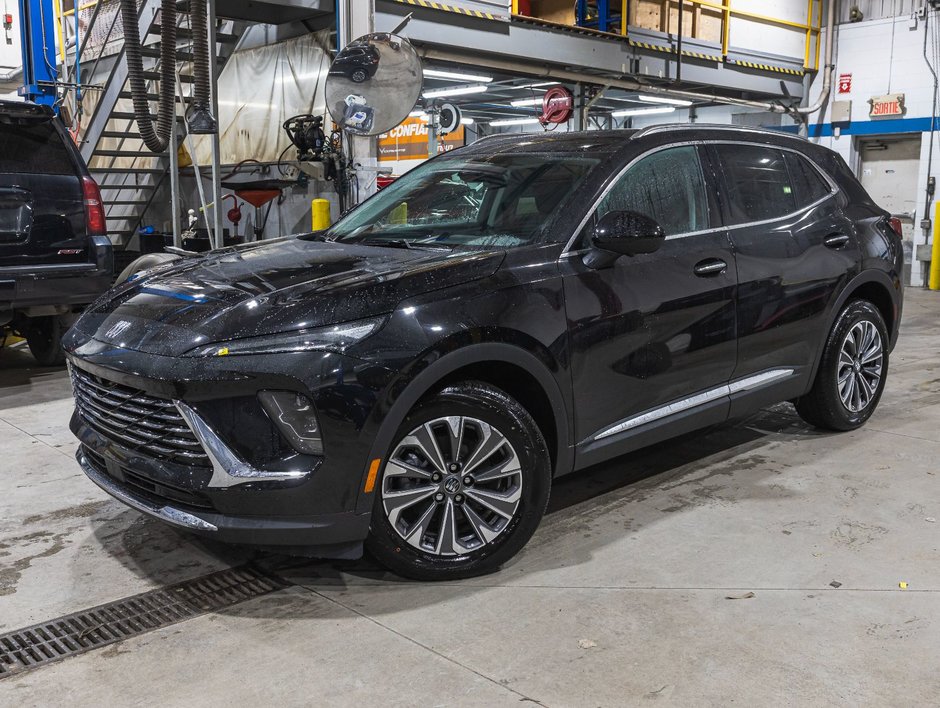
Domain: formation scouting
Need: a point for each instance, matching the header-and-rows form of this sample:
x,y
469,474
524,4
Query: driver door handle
x,y
710,266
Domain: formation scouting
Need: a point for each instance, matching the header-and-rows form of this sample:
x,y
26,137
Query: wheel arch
x,y
509,367
876,287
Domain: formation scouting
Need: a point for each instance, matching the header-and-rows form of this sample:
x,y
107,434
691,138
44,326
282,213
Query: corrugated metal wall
x,y
878,9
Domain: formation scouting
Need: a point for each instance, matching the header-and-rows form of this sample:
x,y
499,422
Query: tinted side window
x,y
667,186
33,146
758,182
808,184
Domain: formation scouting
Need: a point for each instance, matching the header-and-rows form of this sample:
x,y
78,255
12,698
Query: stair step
x,y
128,153
124,115
124,187
154,53
186,33
155,76
127,170
154,97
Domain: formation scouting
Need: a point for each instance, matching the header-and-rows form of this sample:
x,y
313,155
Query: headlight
x,y
333,338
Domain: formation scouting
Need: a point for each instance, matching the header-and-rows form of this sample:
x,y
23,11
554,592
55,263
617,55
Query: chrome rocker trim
x,y
746,384
228,469
169,514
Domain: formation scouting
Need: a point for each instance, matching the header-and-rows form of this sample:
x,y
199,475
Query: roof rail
x,y
664,127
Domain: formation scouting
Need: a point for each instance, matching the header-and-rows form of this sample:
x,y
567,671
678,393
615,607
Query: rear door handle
x,y
836,240
710,266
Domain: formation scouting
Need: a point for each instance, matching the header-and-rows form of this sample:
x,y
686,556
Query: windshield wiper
x,y
403,243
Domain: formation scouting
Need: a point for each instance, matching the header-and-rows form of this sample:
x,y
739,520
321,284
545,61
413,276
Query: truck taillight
x,y
896,226
95,222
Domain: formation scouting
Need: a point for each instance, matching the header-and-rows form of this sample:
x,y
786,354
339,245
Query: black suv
x,y
54,252
508,312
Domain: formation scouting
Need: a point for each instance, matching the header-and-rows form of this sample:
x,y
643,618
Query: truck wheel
x,y
44,339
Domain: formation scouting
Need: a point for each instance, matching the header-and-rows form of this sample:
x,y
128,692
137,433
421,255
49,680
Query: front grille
x,y
135,420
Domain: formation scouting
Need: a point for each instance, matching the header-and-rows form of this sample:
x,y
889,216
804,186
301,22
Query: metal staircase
x,y
130,176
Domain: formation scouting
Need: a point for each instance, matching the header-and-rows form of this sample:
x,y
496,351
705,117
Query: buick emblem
x,y
452,485
117,329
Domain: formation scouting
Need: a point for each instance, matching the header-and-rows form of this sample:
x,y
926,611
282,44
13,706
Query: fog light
x,y
295,417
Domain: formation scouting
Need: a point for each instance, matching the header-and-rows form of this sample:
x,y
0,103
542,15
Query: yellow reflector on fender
x,y
373,473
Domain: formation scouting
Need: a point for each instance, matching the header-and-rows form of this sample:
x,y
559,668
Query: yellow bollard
x,y
320,214
935,251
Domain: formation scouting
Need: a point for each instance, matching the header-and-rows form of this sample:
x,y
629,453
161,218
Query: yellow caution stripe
x,y
670,50
768,67
444,7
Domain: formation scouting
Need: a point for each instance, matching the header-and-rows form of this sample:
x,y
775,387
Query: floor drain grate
x,y
41,644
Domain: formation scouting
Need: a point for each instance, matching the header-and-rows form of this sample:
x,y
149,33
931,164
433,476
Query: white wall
x,y
883,56
10,57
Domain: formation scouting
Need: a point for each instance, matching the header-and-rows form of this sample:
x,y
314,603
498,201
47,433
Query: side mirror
x,y
627,233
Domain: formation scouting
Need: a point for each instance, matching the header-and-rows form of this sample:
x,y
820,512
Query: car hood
x,y
269,288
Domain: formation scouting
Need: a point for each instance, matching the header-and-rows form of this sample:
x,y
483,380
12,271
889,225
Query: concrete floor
x,y
621,597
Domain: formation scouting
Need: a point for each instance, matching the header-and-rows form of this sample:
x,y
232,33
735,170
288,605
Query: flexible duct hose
x,y
201,69
155,140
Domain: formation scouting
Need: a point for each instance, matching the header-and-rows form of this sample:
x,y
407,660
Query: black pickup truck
x,y
55,256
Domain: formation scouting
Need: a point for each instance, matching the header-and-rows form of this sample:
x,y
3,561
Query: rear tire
x,y
474,499
852,372
44,339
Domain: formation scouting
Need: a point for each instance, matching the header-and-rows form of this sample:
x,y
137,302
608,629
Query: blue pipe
x,y
37,32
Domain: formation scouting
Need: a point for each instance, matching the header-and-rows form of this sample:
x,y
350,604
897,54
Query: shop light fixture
x,y
466,120
455,91
514,121
643,111
526,102
664,99
541,84
456,76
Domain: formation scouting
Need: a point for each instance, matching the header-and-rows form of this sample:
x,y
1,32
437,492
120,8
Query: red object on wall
x,y
525,7
557,105
845,83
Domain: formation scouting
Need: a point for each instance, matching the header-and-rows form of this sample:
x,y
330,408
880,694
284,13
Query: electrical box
x,y
841,112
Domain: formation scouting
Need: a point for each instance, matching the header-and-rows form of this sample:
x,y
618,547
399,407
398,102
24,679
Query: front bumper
x,y
330,535
310,507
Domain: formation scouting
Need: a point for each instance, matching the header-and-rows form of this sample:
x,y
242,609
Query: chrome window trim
x,y
748,383
834,188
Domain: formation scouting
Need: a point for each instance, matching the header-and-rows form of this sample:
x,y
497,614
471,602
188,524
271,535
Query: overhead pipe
x,y
634,85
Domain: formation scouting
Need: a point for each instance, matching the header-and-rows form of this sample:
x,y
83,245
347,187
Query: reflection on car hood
x,y
268,288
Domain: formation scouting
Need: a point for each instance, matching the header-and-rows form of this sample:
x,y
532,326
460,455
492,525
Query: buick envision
x,y
415,376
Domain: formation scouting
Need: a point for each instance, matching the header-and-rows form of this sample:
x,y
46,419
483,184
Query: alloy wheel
x,y
452,486
861,362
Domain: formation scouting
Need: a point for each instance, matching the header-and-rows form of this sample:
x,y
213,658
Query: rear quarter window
x,y
808,184
33,146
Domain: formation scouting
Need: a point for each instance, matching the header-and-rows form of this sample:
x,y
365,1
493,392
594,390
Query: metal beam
x,y
530,46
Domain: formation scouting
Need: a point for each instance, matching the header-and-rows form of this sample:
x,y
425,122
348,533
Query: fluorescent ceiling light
x,y
418,114
663,99
466,120
538,85
438,74
526,102
454,91
643,111
515,121
538,101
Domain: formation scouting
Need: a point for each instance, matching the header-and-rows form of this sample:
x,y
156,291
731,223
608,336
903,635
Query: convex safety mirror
x,y
373,84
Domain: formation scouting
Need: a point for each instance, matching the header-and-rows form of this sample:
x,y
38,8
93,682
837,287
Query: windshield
x,y
485,201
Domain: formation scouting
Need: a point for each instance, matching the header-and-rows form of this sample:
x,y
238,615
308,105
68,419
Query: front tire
x,y
852,372
464,486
